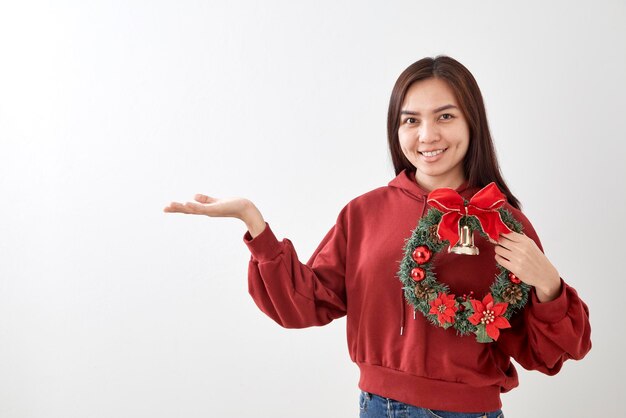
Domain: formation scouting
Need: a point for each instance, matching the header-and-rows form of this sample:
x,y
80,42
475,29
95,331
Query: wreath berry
x,y
439,228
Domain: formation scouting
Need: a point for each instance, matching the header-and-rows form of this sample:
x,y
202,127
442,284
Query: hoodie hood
x,y
406,182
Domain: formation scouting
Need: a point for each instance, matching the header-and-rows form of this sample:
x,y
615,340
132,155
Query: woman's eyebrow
x,y
439,109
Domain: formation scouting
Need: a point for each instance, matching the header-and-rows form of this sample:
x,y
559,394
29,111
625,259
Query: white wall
x,y
109,110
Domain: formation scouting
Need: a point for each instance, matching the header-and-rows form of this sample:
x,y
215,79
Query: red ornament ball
x,y
418,274
421,254
513,278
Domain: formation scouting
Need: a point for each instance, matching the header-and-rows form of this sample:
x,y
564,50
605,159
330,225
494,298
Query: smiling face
x,y
434,134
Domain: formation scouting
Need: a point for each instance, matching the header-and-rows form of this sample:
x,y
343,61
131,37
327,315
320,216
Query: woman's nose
x,y
428,133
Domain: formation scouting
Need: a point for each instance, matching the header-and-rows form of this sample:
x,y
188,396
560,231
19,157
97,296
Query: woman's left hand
x,y
522,257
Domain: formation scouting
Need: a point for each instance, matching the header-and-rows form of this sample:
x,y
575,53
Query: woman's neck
x,y
429,183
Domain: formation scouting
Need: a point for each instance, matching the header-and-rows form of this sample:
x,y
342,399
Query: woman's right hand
x,y
233,207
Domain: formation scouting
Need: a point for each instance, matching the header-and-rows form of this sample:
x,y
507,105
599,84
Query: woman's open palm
x,y
233,207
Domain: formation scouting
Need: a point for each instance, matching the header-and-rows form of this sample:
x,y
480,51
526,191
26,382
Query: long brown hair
x,y
480,164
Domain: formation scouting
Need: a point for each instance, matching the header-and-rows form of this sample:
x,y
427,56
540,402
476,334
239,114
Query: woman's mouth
x,y
434,155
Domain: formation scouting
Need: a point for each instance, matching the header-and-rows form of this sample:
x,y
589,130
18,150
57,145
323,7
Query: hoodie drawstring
x,y
402,301
402,317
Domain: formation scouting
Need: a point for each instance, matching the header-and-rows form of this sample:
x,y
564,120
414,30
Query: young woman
x,y
438,137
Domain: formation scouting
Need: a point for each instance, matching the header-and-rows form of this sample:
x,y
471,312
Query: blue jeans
x,y
374,406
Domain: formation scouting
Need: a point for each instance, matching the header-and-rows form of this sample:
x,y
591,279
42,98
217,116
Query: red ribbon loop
x,y
483,205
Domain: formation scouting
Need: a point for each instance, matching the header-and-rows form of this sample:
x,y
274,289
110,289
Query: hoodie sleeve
x,y
544,335
293,294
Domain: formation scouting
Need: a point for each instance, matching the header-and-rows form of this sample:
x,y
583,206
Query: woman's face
x,y
431,121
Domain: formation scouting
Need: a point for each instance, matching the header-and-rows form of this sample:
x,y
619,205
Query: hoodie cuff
x,y
552,311
265,246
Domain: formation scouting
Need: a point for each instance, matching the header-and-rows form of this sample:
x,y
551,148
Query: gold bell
x,y
466,242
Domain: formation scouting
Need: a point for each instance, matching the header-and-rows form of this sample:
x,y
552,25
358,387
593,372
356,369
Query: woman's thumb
x,y
203,198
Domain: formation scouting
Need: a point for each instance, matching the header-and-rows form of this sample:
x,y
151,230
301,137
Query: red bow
x,y
483,205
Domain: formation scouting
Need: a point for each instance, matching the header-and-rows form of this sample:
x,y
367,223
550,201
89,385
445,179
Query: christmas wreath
x,y
450,219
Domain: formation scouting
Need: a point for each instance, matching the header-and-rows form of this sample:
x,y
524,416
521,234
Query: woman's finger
x,y
173,207
502,250
180,208
511,236
503,262
194,208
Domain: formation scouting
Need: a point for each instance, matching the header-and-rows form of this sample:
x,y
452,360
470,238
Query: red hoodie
x,y
400,355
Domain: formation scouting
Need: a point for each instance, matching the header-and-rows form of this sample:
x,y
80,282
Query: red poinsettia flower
x,y
490,314
444,307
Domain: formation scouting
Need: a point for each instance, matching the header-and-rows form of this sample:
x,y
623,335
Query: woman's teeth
x,y
433,153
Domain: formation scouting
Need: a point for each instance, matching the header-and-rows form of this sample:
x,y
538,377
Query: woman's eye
x,y
447,114
410,120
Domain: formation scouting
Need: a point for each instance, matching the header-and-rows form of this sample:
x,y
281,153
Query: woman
x,y
438,137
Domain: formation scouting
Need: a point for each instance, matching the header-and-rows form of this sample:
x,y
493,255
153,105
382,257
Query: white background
x,y
109,110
